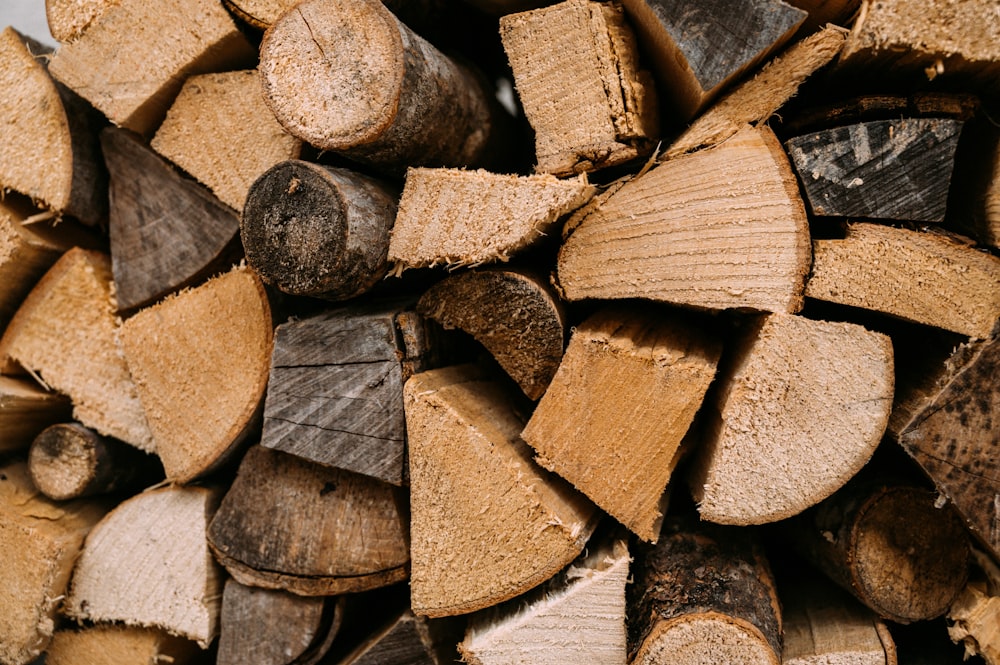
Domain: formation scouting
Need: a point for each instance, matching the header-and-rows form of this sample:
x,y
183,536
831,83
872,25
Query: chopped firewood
x,y
68,19
406,638
975,615
113,644
25,410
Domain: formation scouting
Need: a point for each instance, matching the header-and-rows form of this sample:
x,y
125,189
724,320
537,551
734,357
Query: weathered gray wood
x,y
409,639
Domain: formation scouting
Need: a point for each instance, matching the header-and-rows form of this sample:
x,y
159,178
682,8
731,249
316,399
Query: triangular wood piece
x,y
720,228
112,644
207,346
487,523
407,638
458,218
25,410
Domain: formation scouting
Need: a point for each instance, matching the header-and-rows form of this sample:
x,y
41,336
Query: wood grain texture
x,y
975,615
407,638
974,203
287,523
720,228
111,644
68,19
823,12
487,524
167,231
25,410
924,277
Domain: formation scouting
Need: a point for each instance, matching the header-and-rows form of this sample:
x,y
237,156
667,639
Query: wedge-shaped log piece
x,y
800,411
335,392
48,151
112,644
624,396
167,231
924,277
39,543
407,638
698,48
25,410
576,69
200,361
221,132
66,333
68,19
287,523
487,523
459,218
586,601
704,594
720,228
515,315
147,564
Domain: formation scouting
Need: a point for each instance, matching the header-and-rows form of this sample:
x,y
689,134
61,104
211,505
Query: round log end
x,y
63,460
706,639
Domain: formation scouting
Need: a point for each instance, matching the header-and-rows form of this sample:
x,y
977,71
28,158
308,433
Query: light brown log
x,y
131,61
487,524
68,19
624,396
457,218
147,564
66,333
975,615
220,131
200,361
720,228
576,70
799,413
918,276
25,410
111,644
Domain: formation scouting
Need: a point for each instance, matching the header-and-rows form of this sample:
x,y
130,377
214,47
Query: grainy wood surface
x,y
25,410
407,638
68,19
111,644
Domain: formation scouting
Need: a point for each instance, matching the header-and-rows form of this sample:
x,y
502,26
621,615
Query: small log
x,y
799,413
110,644
65,332
924,277
586,601
487,524
515,315
70,461
287,523
39,543
318,231
335,392
641,374
200,362
406,638
462,218
68,19
167,231
720,228
132,59
147,564
697,49
974,617
576,69
703,595
26,410
221,132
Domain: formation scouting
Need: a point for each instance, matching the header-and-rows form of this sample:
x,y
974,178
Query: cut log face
x,y
68,19
461,218
66,333
207,346
587,600
221,132
801,411
623,372
289,524
576,69
720,228
487,524
25,410
922,277
260,14
119,645
147,564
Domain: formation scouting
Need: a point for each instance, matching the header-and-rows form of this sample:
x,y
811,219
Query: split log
x,y
576,69
849,171
167,231
109,644
698,49
65,332
68,19
928,105
335,392
147,564
221,132
70,461
407,638
49,151
703,595
318,231
132,59
26,410
975,615
578,617
462,218
515,315
641,374
487,524
39,543
974,204
287,523
924,277
200,363
799,413
720,228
